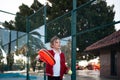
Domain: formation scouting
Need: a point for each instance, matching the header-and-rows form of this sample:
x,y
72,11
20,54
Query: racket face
x,y
46,57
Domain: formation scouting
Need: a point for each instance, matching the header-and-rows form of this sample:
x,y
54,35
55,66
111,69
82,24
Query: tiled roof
x,y
114,38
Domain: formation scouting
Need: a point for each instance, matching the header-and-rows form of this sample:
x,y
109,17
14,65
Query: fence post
x,y
73,34
27,31
45,6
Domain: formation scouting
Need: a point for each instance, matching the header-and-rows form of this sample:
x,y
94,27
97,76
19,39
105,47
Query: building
x,y
109,50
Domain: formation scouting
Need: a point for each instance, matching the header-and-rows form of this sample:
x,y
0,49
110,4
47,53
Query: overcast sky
x,y
116,9
12,6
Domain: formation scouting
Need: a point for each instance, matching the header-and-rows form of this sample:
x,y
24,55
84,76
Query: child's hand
x,y
69,72
37,57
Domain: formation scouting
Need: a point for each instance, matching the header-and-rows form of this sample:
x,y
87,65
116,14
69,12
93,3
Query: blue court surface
x,y
16,75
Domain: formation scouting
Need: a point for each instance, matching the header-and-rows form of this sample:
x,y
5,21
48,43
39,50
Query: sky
x,y
12,6
117,11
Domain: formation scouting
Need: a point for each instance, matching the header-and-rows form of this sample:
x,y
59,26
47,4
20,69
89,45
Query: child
x,y
56,71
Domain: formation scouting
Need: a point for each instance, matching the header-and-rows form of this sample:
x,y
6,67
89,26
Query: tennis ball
x,y
70,72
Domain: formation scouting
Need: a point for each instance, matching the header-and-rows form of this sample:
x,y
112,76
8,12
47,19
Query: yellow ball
x,y
70,72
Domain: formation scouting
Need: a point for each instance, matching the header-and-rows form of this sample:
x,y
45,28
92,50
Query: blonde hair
x,y
52,40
